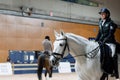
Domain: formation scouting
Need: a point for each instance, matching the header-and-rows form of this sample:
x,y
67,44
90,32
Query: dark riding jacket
x,y
106,31
106,35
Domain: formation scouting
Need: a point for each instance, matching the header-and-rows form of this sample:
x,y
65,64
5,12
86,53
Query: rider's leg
x,y
115,61
104,76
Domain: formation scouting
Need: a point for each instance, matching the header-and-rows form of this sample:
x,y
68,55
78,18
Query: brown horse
x,y
43,62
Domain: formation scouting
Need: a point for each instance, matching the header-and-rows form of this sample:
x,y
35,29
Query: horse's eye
x,y
61,44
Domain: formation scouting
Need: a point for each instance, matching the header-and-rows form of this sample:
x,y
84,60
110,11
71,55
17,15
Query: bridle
x,y
59,56
65,47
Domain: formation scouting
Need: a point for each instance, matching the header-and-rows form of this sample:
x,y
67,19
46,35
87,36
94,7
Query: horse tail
x,y
41,60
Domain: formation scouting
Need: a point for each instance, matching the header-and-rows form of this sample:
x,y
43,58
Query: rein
x,y
87,55
92,53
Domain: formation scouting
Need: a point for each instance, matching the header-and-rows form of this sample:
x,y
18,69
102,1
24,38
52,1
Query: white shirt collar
x,y
103,21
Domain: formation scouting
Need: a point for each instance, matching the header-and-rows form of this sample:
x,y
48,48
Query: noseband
x,y
63,52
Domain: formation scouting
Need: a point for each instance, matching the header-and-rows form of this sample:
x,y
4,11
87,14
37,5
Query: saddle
x,y
46,53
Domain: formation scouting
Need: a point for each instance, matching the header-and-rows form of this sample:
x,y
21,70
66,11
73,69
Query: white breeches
x,y
113,48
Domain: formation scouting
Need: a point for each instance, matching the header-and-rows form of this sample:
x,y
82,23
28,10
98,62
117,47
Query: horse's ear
x,y
56,33
62,33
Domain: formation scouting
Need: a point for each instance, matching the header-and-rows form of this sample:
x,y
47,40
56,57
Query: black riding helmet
x,y
105,10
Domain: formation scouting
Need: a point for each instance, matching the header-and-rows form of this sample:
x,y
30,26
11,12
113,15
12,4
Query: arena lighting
x,y
26,10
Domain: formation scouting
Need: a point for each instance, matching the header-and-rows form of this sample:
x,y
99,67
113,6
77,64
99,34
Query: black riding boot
x,y
104,76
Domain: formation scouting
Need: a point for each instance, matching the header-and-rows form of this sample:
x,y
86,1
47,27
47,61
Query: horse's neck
x,y
77,44
80,46
91,46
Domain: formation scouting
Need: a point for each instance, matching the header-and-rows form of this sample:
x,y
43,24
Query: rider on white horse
x,y
106,36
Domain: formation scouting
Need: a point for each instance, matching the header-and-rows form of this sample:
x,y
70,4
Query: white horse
x,y
87,68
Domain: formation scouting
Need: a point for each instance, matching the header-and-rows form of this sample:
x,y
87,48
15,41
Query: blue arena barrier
x,y
25,62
